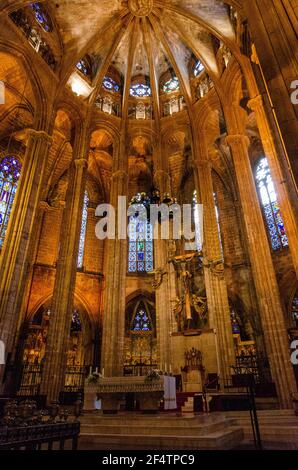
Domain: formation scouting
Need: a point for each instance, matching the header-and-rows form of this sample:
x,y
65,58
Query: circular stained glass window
x,y
140,90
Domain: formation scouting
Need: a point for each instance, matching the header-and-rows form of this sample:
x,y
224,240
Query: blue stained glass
x,y
83,231
110,84
132,267
140,252
270,205
141,321
41,17
83,67
141,267
10,170
140,90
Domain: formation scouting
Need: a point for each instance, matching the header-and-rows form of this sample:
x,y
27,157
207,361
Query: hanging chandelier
x,y
154,198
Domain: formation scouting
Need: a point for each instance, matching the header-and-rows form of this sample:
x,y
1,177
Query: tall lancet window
x,y
218,222
83,231
198,221
140,249
10,170
270,205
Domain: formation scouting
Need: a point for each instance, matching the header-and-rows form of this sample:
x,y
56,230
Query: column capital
x,y
255,103
81,163
237,139
39,135
44,206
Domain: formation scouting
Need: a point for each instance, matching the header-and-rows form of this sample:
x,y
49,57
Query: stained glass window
x,y
270,205
140,252
218,222
198,68
171,85
141,321
83,67
83,231
76,324
41,17
235,323
197,221
10,170
110,84
140,90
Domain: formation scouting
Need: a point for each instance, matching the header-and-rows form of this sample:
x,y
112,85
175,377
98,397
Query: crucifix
x,y
182,266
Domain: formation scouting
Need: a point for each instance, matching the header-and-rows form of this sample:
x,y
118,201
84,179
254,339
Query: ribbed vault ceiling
x,y
145,37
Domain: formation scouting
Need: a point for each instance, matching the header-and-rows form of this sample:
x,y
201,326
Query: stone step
x,y
225,439
140,429
147,420
278,428
187,406
272,413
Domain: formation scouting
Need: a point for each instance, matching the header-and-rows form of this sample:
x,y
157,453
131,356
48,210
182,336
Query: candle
x,y
90,370
103,372
170,368
96,370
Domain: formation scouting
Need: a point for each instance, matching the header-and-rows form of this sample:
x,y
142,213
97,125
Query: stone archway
x,y
140,345
34,349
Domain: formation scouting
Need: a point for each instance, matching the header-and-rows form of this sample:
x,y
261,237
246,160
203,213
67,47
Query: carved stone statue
x,y
180,263
188,303
158,274
178,312
200,305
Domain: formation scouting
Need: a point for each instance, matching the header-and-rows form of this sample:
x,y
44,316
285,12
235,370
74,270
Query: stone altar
x,y
112,391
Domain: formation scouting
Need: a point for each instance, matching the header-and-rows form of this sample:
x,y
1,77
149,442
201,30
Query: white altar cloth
x,y
170,400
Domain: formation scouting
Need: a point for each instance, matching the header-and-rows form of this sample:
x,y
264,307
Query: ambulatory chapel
x,y
134,331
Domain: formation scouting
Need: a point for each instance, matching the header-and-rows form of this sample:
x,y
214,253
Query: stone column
x,y
20,236
272,317
275,38
163,292
115,277
216,288
287,209
63,295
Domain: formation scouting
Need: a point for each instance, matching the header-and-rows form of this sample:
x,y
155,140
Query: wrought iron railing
x,y
31,379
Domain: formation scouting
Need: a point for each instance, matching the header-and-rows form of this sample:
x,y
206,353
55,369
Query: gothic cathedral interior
x,y
148,221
